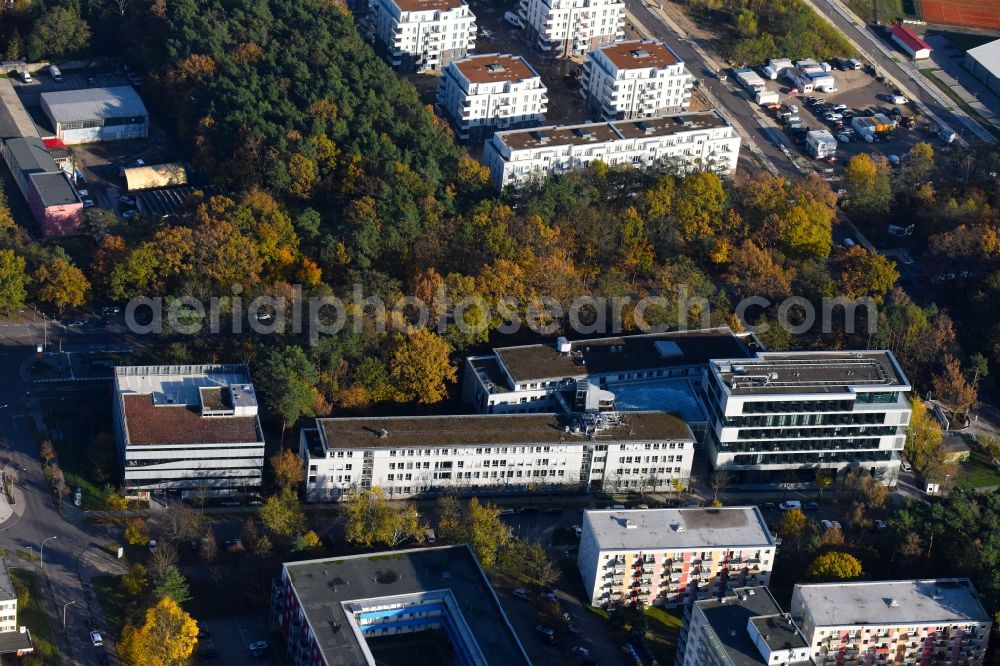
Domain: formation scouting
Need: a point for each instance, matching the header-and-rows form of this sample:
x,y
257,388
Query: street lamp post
x,y
65,606
42,550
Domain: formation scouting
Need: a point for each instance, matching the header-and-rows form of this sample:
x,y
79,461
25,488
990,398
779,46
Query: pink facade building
x,y
53,201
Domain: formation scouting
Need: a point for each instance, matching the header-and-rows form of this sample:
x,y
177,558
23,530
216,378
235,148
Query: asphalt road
x,y
732,98
73,556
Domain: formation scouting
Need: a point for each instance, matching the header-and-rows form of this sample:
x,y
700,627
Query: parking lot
x,y
229,638
98,163
858,92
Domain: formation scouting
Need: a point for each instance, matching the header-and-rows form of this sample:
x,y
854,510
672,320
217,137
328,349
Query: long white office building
x,y
484,93
682,142
787,414
907,622
672,557
423,35
414,456
188,427
635,79
572,27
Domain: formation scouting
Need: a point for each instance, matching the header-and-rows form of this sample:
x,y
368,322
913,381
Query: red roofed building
x,y
912,43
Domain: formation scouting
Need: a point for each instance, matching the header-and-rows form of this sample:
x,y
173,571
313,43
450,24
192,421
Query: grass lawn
x,y
977,472
114,603
887,9
33,616
27,556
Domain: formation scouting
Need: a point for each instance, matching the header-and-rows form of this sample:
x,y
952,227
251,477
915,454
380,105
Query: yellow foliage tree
x,y
61,283
421,366
166,638
835,565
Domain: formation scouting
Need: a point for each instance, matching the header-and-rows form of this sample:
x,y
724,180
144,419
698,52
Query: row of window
x,y
511,474
814,419
793,445
800,458
797,433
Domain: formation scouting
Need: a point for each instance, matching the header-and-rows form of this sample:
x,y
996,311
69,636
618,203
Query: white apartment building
x,y
188,427
572,27
695,141
13,639
747,628
484,93
672,557
413,456
635,79
919,622
788,414
423,35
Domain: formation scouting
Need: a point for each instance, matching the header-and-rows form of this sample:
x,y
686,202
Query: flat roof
x,y
14,119
15,641
987,55
495,67
324,586
603,132
675,396
31,155
729,620
163,404
893,602
54,189
487,430
65,106
640,54
7,590
427,5
679,529
622,354
811,372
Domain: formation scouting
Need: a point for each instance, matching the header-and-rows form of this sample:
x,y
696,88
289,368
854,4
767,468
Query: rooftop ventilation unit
x,y
563,345
494,67
639,53
630,525
539,136
383,433
893,603
582,132
679,527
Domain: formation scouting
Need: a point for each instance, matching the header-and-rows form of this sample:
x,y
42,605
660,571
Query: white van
x,y
55,73
513,19
24,75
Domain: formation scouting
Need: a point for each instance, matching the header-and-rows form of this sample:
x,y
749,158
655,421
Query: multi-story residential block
x,y
355,609
656,371
747,628
783,415
701,140
423,35
673,557
13,639
635,79
919,622
484,93
188,428
573,27
410,456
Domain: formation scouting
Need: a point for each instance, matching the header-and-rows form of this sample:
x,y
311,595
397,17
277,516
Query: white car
x,y
907,467
826,525
790,504
152,545
95,638
578,531
898,99
513,19
836,525
893,159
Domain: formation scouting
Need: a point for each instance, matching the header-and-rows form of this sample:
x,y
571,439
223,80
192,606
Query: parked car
x,y
513,19
893,159
579,651
521,593
788,505
152,545
826,524
880,525
907,467
55,73
258,648
431,537
840,107
547,633
810,506
898,99
843,138
95,638
507,511
837,525
550,595
24,75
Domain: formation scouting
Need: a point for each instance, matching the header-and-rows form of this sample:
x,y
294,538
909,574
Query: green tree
x,y
282,515
12,281
823,481
372,520
835,565
868,188
289,381
449,519
864,274
172,584
918,163
58,34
